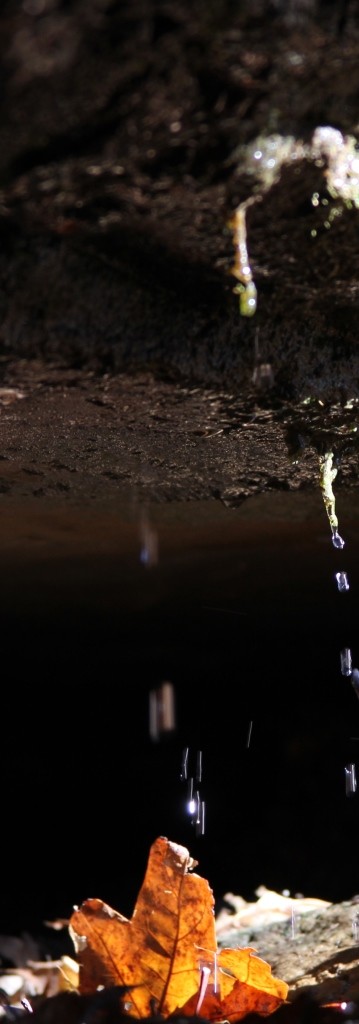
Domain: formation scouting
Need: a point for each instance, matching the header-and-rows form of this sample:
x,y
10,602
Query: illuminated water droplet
x,y
200,825
184,764
162,710
263,376
204,979
198,808
249,734
190,798
149,543
337,540
342,581
346,661
350,779
355,681
293,916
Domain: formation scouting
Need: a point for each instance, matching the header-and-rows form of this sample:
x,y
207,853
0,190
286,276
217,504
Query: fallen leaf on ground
x,y
167,955
34,982
19,949
270,907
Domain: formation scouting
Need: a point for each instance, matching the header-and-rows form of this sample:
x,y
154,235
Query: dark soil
x,y
121,160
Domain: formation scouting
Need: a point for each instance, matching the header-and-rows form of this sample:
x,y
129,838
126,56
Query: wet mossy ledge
x,y
118,251
131,291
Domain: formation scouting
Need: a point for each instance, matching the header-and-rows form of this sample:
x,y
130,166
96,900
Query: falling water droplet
x,y
184,764
204,979
191,803
355,927
249,734
350,779
198,808
342,581
355,681
162,710
346,661
293,917
337,540
263,376
149,543
201,824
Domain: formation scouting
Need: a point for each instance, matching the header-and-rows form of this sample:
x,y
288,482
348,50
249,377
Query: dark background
x,y
249,627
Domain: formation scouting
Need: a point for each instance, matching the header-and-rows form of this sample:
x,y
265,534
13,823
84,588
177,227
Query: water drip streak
x,y
327,475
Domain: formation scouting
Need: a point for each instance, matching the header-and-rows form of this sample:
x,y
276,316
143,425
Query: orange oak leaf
x,y
167,954
239,983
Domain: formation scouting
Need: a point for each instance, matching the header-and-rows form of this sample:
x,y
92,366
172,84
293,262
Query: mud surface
x,y
75,435
72,433
124,148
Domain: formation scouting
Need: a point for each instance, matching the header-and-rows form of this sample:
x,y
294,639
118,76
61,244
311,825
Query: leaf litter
x,y
167,962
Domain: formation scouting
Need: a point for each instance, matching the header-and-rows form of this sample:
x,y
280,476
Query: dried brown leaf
x,y
159,954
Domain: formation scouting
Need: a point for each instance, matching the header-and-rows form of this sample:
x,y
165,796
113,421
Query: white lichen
x,y
264,159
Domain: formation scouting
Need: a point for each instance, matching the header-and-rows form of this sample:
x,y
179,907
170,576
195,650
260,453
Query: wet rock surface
x,y
316,953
